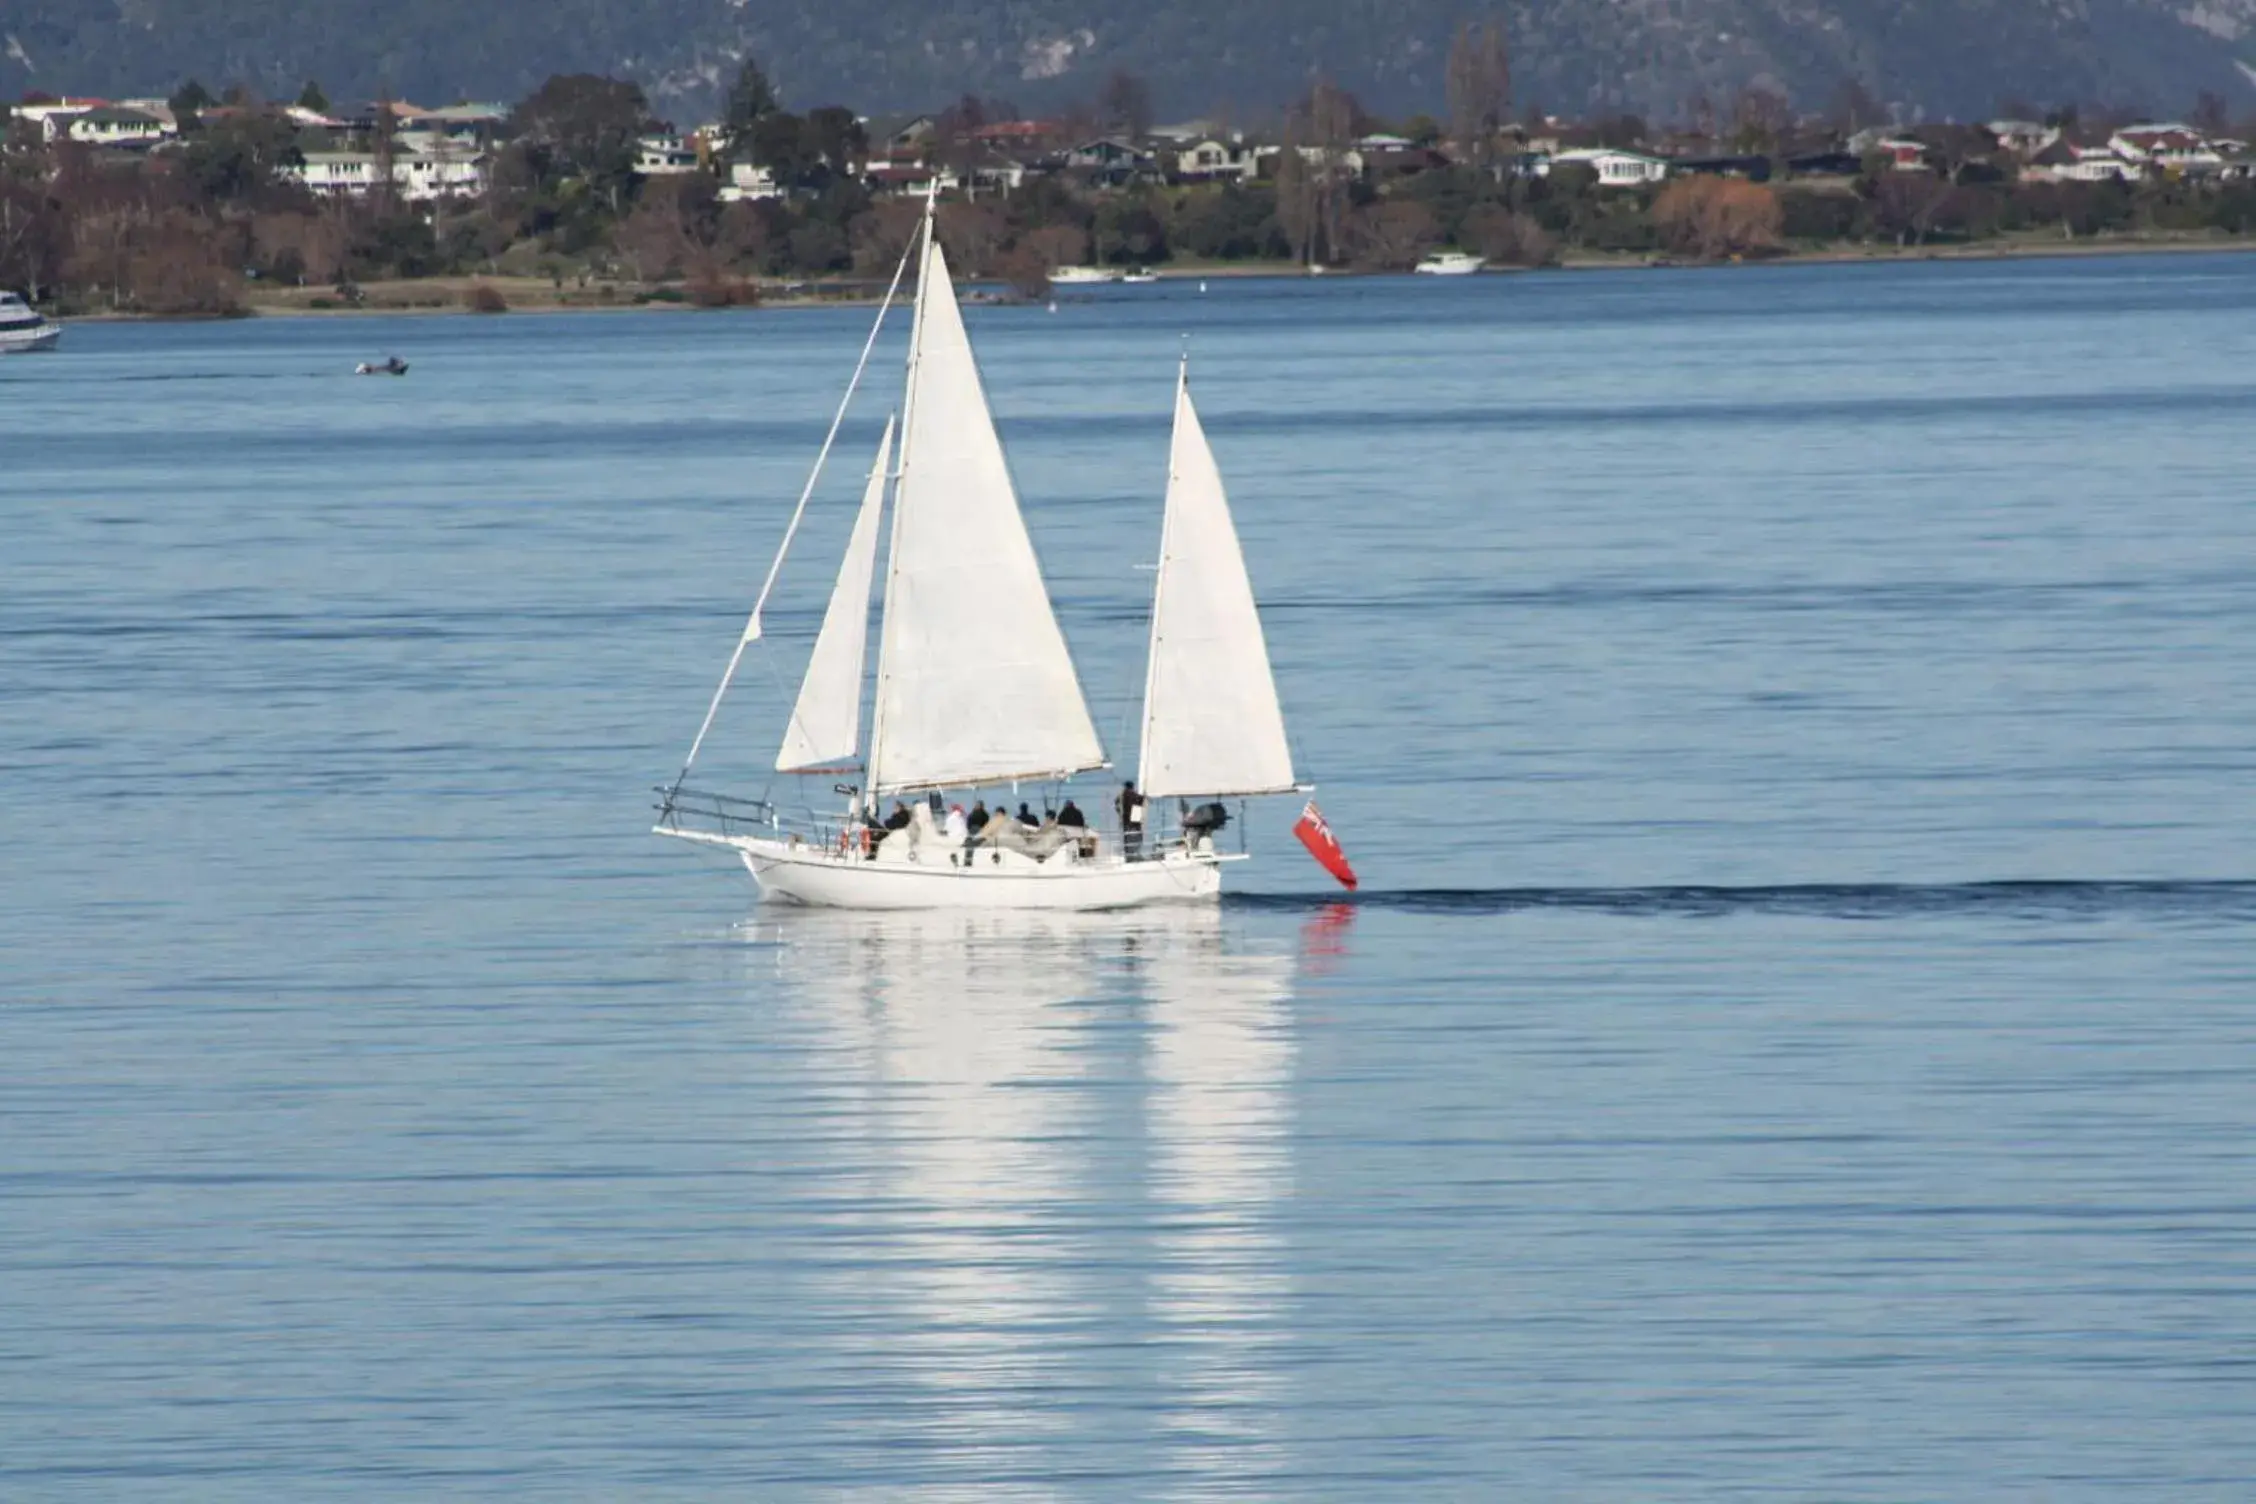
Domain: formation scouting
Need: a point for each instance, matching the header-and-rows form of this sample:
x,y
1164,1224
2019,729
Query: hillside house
x,y
1615,168
898,137
116,126
2175,149
1214,160
449,171
663,154
2023,138
1109,161
2066,161
747,181
1902,153
1753,169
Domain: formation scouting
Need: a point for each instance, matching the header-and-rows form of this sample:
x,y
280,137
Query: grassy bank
x,y
460,294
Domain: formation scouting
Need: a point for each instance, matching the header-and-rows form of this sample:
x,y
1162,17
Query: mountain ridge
x,y
1923,58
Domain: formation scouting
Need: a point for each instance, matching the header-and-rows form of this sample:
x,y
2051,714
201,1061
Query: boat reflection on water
x,y
1220,1063
1071,1141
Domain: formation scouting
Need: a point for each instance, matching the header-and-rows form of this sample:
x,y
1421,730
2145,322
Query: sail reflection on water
x,y
1220,1065
969,1044
990,1216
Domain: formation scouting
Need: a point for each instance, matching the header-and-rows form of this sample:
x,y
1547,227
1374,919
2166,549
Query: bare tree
x,y
881,234
1854,109
1392,234
1125,104
387,153
1905,203
1479,79
654,240
1507,238
1056,245
1760,119
973,235
2209,115
1716,217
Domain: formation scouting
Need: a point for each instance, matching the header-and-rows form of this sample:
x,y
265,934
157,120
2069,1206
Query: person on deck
x,y
1070,816
957,829
1026,817
1131,807
899,819
976,821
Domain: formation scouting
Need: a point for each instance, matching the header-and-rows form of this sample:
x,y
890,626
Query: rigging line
x,y
752,624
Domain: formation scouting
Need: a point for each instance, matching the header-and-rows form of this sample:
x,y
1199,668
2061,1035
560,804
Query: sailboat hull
x,y
808,875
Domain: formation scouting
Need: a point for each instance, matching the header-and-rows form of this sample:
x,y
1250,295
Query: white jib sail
x,y
1211,720
826,724
974,683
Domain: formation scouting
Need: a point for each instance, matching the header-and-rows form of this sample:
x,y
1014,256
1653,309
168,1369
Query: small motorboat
x,y
1083,276
1450,264
23,328
390,365
1140,275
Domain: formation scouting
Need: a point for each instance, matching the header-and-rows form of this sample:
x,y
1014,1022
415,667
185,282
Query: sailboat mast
x,y
1159,582
900,496
753,626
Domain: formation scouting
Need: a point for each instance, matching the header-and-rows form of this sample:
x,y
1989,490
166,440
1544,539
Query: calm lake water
x,y
1798,1035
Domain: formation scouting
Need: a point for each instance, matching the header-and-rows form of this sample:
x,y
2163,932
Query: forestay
x,y
1211,720
974,681
826,723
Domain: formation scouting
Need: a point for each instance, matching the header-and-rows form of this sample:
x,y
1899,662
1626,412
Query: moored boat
x,y
1083,276
24,329
1449,264
975,688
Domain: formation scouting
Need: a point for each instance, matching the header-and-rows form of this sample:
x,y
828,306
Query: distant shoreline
x,y
445,295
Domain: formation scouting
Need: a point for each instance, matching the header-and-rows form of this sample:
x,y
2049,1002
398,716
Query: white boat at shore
x,y
974,687
1139,276
1083,276
24,329
1449,264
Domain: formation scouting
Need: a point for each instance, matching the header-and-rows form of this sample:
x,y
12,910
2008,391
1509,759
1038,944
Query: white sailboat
x,y
974,685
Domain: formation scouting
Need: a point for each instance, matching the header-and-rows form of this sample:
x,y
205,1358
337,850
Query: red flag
x,y
1317,837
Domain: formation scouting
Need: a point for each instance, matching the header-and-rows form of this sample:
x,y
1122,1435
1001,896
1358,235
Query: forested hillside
x,y
1933,58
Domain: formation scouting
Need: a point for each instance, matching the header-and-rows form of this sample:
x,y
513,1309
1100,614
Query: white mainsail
x,y
826,723
1211,720
974,682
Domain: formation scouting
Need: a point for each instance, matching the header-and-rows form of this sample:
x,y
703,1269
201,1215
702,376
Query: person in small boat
x,y
1026,817
976,821
1130,804
1070,816
957,830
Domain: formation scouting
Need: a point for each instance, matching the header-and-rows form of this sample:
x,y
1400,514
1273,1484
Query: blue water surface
x,y
1797,1035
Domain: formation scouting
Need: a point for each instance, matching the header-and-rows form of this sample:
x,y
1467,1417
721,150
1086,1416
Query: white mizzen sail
x,y
826,724
1211,720
974,684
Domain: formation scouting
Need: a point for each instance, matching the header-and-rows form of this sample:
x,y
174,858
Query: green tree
x,y
834,134
781,142
311,98
188,102
585,126
751,99
241,156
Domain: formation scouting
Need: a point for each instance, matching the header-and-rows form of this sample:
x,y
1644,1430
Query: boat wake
x,y
2233,901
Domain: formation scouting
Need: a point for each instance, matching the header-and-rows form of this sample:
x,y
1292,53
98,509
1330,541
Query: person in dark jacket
x,y
1130,804
1026,817
1070,816
976,821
